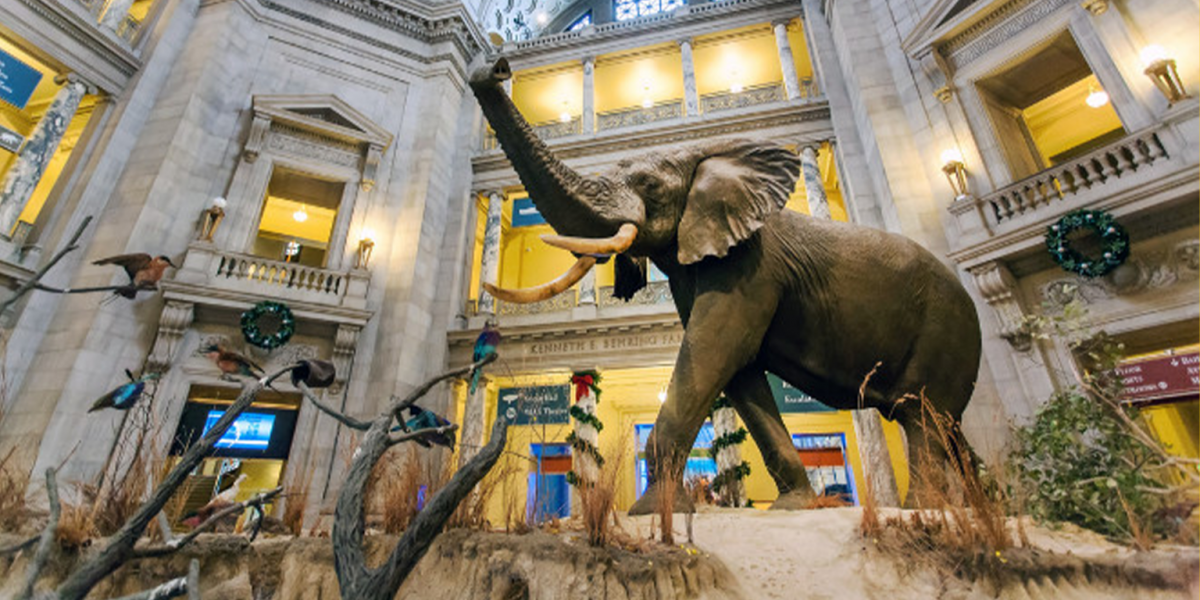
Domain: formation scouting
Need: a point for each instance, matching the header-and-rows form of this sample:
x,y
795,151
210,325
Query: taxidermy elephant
x,y
758,288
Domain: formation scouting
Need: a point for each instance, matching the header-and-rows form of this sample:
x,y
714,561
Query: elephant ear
x,y
629,276
735,189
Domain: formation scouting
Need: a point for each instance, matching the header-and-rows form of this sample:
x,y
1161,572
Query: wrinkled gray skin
x,y
760,288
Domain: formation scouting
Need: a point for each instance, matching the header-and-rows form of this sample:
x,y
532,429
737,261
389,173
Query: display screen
x,y
251,431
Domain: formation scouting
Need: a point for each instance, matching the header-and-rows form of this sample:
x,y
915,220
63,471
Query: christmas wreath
x,y
1115,243
255,335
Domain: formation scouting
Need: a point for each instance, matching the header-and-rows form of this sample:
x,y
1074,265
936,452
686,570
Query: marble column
x,y
587,288
589,95
490,268
472,422
691,100
791,84
116,13
27,170
728,458
818,204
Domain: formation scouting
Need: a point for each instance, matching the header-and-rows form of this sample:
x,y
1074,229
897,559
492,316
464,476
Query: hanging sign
x,y
17,80
535,405
1167,377
10,140
791,400
525,214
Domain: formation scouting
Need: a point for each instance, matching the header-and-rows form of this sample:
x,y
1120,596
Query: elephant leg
x,y
724,333
751,397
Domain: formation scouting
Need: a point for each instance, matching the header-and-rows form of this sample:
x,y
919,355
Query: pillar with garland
x,y
727,449
587,461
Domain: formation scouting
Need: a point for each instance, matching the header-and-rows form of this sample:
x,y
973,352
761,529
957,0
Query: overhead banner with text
x,y
17,80
791,400
535,405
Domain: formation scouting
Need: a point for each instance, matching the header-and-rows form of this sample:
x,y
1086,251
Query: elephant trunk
x,y
572,204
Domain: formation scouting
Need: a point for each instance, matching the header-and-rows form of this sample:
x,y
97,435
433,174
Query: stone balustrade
x,y
205,266
629,117
751,96
657,293
1118,168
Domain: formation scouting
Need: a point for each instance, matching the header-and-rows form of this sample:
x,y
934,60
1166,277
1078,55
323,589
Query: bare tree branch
x,y
412,435
120,546
37,276
428,385
19,546
193,579
145,287
172,589
45,545
346,420
176,544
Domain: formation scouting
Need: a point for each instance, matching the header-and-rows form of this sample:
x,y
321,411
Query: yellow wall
x,y
277,218
1064,120
626,79
543,94
747,56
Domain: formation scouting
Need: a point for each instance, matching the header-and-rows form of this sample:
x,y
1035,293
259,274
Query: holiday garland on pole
x,y
255,335
1115,243
587,429
726,449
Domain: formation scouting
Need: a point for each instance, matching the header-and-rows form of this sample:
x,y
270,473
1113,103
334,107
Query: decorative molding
x,y
996,28
998,288
174,321
1096,7
307,144
344,346
1144,272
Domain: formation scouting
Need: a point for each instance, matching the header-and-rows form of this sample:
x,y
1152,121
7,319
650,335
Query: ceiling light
x,y
647,103
301,215
736,88
541,18
1096,98
564,117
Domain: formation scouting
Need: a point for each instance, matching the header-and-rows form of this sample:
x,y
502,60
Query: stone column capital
x,y
785,21
75,78
684,40
588,60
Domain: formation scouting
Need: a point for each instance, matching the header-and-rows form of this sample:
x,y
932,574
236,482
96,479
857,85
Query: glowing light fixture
x,y
564,116
736,88
366,245
301,215
647,102
1096,98
662,395
541,18
956,172
1160,68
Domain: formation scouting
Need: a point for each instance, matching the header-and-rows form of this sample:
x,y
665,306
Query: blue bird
x,y
485,344
419,419
126,394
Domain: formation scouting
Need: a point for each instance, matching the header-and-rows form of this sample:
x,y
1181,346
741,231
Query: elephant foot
x,y
793,500
648,503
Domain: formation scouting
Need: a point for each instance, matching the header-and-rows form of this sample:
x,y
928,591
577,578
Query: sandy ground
x,y
819,554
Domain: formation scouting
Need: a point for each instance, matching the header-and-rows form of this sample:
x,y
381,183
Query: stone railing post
x,y
27,170
791,84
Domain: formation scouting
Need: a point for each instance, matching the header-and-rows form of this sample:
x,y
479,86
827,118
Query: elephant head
x,y
681,206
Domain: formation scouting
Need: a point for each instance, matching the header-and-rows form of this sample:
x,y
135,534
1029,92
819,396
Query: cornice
x,y
995,27
666,133
567,329
208,296
68,21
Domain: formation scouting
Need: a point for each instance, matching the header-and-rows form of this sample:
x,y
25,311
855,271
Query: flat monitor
x,y
250,431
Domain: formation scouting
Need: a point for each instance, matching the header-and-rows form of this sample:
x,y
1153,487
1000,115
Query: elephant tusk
x,y
546,290
596,247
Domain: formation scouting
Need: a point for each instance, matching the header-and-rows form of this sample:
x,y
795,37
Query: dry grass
x,y
394,489
472,513
514,499
13,512
597,500
667,478
296,503
138,465
76,527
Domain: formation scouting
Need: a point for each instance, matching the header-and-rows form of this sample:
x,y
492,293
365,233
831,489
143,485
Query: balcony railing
x,y
751,96
1120,167
655,293
207,266
628,117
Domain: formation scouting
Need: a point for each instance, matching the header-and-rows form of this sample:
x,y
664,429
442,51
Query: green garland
x,y
588,419
255,336
1116,242
582,445
719,403
729,439
724,478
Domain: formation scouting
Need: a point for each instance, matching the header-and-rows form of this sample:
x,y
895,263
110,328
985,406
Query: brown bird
x,y
220,501
232,363
144,271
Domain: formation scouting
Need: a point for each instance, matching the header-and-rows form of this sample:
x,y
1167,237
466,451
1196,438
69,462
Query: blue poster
x,y
251,431
17,80
535,405
525,214
791,400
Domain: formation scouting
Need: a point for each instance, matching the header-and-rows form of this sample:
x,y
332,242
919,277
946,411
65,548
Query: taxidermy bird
x,y
126,394
222,500
419,418
144,271
232,363
485,344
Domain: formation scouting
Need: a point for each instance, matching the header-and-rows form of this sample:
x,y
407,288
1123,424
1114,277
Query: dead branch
x,y
177,543
412,435
129,287
45,545
171,589
19,546
428,385
29,285
120,547
346,420
355,579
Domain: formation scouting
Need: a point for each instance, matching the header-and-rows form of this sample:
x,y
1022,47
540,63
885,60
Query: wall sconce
x,y
1161,70
956,172
212,217
301,215
365,246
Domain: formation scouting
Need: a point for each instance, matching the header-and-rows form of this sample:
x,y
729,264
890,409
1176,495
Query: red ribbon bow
x,y
582,384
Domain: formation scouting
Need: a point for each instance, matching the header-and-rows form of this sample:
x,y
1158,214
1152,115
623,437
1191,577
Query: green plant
x,y
1087,458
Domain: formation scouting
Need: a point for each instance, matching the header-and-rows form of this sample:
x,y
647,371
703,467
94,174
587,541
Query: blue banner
x,y
525,214
535,405
791,400
17,80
